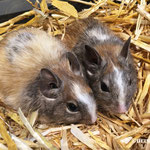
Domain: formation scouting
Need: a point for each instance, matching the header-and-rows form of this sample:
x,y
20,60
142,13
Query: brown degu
x,y
37,73
106,61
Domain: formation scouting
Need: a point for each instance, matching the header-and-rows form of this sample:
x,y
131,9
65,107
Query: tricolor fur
x,y
106,61
36,72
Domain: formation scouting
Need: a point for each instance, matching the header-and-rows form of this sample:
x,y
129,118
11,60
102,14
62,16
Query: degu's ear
x,y
48,81
74,63
92,56
125,50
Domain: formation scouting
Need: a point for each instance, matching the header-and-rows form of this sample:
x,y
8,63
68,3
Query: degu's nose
x,y
122,108
94,118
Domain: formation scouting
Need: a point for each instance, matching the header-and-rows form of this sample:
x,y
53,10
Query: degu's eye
x,y
52,86
104,87
72,107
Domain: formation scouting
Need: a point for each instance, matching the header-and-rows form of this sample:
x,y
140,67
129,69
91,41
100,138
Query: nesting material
x,y
127,131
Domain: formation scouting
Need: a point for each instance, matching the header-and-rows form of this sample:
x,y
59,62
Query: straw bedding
x,y
127,131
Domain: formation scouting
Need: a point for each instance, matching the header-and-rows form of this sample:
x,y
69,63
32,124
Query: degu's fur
x,y
37,73
107,63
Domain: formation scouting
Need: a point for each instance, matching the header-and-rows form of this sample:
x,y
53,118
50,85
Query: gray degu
x,y
106,61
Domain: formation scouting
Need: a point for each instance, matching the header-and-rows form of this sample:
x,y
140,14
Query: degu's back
x,y
37,72
23,53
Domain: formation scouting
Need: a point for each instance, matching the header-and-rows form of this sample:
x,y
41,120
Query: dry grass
x,y
129,18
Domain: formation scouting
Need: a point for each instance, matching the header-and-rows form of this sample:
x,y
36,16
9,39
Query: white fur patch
x,y
50,99
89,73
96,32
120,84
86,99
